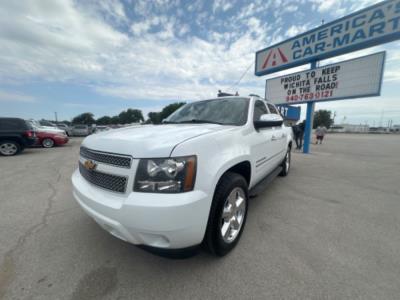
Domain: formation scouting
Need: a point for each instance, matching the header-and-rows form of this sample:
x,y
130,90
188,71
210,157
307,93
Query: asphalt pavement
x,y
330,230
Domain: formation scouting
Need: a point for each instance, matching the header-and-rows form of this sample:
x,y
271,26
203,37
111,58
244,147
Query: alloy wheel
x,y
233,214
8,149
287,161
48,143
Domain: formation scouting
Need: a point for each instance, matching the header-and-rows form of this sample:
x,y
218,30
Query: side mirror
x,y
268,120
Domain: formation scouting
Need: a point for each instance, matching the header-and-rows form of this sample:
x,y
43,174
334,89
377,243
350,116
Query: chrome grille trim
x,y
110,182
119,160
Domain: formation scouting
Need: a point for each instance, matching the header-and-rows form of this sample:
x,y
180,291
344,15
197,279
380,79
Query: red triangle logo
x,y
274,58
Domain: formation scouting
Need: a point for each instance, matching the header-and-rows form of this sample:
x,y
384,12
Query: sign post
x,y
309,120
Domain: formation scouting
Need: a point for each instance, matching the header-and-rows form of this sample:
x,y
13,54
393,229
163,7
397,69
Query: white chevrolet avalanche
x,y
187,181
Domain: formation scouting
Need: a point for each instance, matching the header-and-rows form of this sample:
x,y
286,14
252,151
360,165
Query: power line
x,y
241,77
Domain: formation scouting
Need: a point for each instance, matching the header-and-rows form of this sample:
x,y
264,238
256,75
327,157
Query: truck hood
x,y
148,141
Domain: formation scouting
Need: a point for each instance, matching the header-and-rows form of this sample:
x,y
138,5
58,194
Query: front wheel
x,y
286,163
48,143
228,214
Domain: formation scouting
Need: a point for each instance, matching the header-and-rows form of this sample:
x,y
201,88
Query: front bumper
x,y
169,221
61,140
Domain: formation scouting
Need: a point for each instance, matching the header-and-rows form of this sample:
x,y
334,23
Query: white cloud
x,y
290,8
339,8
295,30
223,5
39,41
7,96
335,8
65,41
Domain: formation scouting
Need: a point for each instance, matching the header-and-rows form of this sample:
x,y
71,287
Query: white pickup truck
x,y
187,181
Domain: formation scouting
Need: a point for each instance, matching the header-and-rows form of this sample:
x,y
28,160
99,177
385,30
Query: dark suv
x,y
15,135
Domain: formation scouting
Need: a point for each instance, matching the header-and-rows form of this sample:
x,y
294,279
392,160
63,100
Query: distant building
x,y
349,128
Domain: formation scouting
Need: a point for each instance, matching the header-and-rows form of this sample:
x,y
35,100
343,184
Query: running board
x,y
262,185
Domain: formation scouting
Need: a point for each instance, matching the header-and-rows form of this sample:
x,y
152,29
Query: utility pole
x,y
55,114
380,122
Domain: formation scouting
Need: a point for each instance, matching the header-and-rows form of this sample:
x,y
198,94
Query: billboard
x,y
359,77
369,27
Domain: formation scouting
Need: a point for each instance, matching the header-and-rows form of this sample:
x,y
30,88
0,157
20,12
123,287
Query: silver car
x,y
65,127
80,130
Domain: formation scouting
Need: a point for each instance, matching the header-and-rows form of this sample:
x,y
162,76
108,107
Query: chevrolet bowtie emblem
x,y
90,165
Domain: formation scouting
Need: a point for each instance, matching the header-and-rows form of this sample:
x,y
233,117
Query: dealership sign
x,y
290,113
371,26
359,77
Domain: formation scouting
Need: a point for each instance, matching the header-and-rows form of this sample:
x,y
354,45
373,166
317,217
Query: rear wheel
x,y
9,148
228,214
286,163
48,143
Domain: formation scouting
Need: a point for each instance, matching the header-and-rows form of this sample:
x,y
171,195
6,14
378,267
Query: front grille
x,y
107,158
107,181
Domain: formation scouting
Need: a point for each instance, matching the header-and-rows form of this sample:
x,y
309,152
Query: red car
x,y
50,139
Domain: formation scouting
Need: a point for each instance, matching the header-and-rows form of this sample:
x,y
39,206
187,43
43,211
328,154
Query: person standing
x,y
295,129
299,139
320,134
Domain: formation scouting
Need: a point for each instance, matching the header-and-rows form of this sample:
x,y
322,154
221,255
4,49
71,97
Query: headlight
x,y
166,175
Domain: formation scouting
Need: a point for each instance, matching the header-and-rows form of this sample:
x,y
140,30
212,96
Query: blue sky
x,y
106,56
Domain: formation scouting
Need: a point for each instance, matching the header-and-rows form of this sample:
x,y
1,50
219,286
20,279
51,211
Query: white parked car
x,y
66,128
100,128
187,181
81,130
37,127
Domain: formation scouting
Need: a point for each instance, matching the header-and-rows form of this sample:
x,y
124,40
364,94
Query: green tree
x,y
105,120
85,118
169,109
322,118
130,116
65,122
156,118
114,120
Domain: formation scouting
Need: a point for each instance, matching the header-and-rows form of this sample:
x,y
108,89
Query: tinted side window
x,y
259,109
12,124
272,109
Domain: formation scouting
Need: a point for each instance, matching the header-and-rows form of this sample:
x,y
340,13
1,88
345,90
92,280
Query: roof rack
x,y
222,94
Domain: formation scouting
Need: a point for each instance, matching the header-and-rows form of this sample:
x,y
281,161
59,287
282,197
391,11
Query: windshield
x,y
34,124
220,111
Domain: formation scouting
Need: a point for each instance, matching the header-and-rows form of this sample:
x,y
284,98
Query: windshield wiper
x,y
199,121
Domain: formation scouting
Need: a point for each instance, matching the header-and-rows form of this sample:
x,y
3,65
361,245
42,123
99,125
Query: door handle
x,y
274,138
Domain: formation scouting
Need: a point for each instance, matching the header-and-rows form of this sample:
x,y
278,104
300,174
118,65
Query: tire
x,y
48,143
9,148
230,188
286,163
